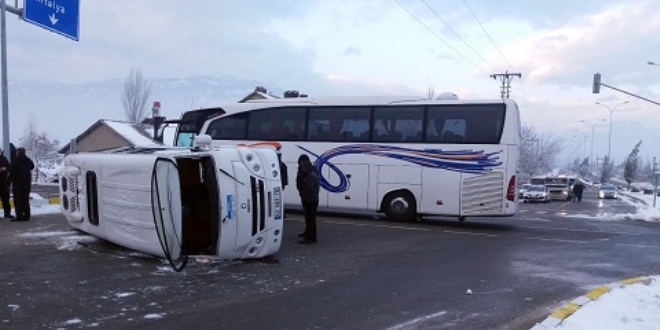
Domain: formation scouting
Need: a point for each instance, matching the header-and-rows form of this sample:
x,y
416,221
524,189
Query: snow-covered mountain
x,y
64,111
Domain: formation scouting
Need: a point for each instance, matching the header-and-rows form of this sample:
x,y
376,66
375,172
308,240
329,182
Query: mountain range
x,y
63,111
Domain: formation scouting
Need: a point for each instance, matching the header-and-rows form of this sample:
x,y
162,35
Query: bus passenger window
x,y
228,128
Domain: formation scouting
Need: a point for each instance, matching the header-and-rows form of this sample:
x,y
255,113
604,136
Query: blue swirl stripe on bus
x,y
465,161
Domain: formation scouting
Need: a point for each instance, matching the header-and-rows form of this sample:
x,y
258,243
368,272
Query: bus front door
x,y
166,208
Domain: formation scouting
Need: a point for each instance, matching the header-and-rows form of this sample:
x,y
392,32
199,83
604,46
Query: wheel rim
x,y
399,205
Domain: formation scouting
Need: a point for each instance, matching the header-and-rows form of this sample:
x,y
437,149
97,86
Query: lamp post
x,y
593,127
583,144
609,144
652,63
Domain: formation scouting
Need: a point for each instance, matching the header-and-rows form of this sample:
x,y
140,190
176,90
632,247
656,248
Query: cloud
x,y
600,42
352,51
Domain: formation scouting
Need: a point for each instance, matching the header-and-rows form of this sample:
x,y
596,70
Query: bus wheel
x,y
400,206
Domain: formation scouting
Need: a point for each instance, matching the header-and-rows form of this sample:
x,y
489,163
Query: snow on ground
x,y
634,307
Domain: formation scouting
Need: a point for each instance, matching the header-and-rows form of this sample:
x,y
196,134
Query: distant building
x,y
108,134
259,93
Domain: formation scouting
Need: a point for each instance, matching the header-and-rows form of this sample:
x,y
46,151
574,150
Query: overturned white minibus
x,y
176,202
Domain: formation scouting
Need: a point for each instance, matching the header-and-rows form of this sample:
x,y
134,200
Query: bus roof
x,y
369,100
232,108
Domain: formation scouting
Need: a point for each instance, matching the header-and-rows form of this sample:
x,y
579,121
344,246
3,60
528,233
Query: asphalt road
x,y
364,273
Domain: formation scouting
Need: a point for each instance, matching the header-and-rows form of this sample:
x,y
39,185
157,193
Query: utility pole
x,y
505,78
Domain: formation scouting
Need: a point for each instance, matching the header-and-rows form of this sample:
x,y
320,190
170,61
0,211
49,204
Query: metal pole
x,y
609,143
591,156
5,88
655,189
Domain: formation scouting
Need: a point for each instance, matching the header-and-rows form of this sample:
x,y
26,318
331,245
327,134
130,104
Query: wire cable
x,y
455,33
438,37
522,87
488,35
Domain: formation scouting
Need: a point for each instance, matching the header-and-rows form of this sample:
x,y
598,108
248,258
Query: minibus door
x,y
166,208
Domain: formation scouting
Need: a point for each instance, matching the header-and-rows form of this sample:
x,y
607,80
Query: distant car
x,y
536,193
634,189
522,189
648,191
608,191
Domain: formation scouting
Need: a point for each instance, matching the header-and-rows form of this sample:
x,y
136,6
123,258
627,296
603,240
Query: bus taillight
x,y
511,189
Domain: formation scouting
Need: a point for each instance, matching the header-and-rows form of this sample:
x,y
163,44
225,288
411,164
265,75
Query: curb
x,y
51,200
559,315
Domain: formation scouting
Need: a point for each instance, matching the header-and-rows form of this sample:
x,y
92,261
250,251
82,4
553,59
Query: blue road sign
x,y
59,16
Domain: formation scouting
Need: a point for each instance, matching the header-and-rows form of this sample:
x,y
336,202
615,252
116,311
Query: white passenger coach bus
x,y
406,157
173,202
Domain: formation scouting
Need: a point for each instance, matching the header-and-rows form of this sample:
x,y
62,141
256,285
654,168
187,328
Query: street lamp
x,y
652,63
609,144
582,143
593,127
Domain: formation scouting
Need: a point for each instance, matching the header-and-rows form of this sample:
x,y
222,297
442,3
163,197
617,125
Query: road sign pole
x,y
5,88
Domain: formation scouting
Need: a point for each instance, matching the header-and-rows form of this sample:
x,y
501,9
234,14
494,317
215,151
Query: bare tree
x,y
430,93
538,151
136,94
41,149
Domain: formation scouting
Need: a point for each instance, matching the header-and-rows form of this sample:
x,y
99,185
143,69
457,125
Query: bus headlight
x,y
274,174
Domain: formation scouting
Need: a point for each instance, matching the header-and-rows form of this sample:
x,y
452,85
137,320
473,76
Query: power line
x,y
438,37
488,35
456,34
522,87
506,82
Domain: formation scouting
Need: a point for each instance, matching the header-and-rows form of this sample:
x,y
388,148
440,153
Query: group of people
x,y
308,185
16,176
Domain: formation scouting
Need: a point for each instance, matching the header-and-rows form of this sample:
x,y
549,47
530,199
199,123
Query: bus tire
x,y
400,206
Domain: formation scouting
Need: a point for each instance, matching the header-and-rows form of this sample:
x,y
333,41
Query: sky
x,y
383,47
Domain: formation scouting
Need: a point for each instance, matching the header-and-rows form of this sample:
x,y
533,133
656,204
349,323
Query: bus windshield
x,y
191,123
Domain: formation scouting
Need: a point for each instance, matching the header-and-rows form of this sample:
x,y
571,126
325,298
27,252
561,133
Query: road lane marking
x,y
556,240
373,225
578,230
468,233
411,324
640,246
560,205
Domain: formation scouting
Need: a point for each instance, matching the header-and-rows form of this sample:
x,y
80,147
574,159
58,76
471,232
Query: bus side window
x,y
228,128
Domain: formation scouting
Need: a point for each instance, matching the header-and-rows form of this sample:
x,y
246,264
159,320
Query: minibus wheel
x,y
400,206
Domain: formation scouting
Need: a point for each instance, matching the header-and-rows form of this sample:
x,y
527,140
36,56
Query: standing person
x,y
284,175
307,182
21,180
574,192
578,188
4,185
284,171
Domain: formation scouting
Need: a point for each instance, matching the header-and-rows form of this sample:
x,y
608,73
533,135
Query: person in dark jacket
x,y
4,185
578,188
284,171
307,182
21,180
284,175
